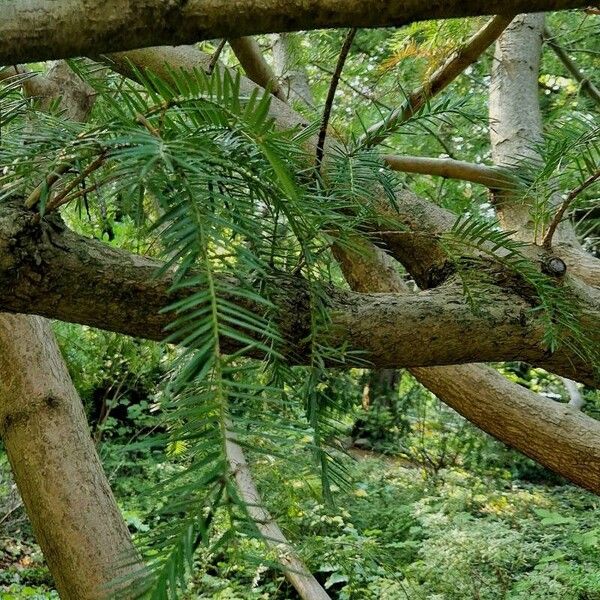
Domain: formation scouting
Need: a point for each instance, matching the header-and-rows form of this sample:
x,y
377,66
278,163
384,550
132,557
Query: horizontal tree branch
x,y
491,177
47,269
34,30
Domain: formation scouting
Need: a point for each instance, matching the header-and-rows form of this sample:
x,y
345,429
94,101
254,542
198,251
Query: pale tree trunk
x,y
516,121
72,511
290,72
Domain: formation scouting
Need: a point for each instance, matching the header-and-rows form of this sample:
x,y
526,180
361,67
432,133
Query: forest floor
x,y
396,532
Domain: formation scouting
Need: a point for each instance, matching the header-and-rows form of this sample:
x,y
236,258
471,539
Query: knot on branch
x,y
554,266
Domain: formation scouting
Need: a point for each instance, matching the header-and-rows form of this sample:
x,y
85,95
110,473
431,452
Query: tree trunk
x,y
73,513
291,74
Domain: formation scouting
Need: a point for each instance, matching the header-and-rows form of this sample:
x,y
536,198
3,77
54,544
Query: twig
x,y
465,56
586,85
50,180
331,94
63,196
214,59
365,94
491,177
560,213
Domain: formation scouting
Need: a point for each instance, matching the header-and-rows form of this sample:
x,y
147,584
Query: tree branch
x,y
560,213
35,30
290,71
586,85
333,84
295,570
516,120
551,433
257,69
491,177
453,66
48,270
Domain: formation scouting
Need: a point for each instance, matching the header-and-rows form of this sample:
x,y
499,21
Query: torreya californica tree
x,y
253,201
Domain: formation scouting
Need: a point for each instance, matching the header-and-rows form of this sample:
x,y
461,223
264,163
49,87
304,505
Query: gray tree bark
x,y
48,270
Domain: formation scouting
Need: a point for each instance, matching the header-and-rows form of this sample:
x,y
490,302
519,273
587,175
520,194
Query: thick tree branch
x,y
60,478
48,270
491,177
463,57
586,85
516,121
34,30
251,58
556,435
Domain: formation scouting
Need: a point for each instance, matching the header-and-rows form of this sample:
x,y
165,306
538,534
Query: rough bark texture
x,y
48,270
558,436
68,500
33,30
